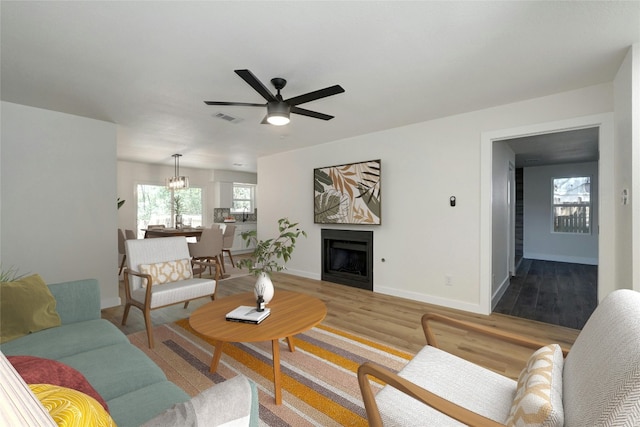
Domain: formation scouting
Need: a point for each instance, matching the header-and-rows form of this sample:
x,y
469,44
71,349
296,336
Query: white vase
x,y
265,285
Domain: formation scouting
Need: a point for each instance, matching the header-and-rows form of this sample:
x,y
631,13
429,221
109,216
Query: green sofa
x,y
133,386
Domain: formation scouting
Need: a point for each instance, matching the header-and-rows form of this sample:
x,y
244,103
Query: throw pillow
x,y
538,400
169,271
71,408
36,370
26,306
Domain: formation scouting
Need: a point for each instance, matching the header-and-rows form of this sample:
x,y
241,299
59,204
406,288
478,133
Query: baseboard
x,y
495,298
443,302
110,302
562,258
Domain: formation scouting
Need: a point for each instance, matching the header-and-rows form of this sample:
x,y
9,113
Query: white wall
x,y
421,237
503,250
59,197
539,240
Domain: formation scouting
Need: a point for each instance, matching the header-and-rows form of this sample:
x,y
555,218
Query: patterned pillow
x,y
71,408
538,400
169,271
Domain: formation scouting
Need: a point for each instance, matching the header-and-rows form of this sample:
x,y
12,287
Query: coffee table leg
x,y
217,354
275,348
292,347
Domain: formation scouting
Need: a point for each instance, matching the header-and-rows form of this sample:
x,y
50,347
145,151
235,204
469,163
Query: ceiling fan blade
x,y
312,96
241,104
256,84
264,121
309,113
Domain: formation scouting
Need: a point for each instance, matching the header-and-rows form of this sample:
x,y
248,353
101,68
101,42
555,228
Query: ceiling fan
x,y
278,109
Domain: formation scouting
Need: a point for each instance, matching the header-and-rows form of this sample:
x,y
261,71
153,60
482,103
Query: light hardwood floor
x,y
382,318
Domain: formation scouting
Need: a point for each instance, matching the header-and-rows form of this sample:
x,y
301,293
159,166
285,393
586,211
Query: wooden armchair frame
x,y
438,403
146,306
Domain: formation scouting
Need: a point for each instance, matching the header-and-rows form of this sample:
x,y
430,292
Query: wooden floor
x,y
386,319
559,293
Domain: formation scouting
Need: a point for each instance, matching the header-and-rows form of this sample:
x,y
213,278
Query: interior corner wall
x,y
59,197
422,238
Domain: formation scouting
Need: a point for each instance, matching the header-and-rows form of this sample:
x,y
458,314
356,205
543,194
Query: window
x,y
155,206
243,198
572,205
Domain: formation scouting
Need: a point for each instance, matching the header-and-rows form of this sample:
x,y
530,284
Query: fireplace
x,y
347,257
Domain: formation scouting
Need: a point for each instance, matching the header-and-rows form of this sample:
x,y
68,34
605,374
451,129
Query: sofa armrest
x,y
77,301
233,402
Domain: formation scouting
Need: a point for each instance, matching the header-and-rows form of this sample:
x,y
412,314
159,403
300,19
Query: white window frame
x,y
572,207
251,199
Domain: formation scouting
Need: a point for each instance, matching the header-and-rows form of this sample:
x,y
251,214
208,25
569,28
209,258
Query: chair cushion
x,y
70,407
26,306
174,292
538,400
455,379
168,271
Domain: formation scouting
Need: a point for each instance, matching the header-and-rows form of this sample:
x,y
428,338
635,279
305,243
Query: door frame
x,y
606,203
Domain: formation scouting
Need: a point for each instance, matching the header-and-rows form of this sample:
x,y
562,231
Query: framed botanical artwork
x,y
347,194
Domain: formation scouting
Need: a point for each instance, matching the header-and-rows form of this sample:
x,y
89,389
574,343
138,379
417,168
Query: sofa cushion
x,y
168,271
136,407
37,370
65,340
114,376
26,306
538,400
69,407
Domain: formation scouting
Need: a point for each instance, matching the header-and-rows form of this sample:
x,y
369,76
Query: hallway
x,y
558,293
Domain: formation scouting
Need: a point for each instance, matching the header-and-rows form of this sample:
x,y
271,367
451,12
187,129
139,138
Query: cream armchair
x,y
596,383
159,274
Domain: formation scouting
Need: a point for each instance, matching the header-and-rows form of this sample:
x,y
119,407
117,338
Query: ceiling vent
x,y
228,118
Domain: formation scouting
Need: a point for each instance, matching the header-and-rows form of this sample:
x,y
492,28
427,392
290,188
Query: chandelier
x,y
177,182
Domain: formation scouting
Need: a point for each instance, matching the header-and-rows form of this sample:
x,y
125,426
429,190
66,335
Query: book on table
x,y
248,314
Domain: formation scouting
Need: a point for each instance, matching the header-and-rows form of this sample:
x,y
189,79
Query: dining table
x,y
172,232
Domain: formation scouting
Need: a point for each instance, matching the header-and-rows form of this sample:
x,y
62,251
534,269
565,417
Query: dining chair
x,y
121,249
229,235
130,234
208,249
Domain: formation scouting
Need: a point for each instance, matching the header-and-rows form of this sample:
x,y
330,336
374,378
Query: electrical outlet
x,y
448,280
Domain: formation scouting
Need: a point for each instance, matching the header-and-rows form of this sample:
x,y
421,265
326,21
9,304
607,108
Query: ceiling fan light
x,y
277,113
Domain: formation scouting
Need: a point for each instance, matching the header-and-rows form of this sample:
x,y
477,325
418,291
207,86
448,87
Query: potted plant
x,y
270,255
177,203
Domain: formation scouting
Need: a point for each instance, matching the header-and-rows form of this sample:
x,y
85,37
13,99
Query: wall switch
x,y
448,280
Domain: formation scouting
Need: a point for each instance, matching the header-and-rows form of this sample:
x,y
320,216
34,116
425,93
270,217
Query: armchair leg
x,y
147,321
125,315
124,258
186,304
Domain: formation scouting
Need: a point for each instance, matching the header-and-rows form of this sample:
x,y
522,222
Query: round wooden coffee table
x,y
291,314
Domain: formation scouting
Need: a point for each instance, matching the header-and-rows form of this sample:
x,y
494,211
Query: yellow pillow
x,y
538,400
71,408
26,306
169,271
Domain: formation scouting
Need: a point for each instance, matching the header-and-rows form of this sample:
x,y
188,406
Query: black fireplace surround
x,y
347,257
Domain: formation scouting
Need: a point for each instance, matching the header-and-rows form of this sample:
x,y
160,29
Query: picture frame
x,y
348,194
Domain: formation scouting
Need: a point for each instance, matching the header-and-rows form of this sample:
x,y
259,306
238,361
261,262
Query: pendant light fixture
x,y
177,182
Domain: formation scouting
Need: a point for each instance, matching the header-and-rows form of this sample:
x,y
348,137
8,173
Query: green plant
x,y
9,275
120,202
177,203
271,254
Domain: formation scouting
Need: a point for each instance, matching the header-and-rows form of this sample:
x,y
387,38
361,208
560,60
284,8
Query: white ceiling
x,y
148,66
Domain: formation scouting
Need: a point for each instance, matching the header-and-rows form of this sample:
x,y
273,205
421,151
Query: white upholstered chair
x,y
209,250
596,384
159,274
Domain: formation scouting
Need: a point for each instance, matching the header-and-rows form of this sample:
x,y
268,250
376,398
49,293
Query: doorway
x,y
556,278
489,297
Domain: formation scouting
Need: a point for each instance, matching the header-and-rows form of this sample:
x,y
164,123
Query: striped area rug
x,y
319,382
